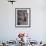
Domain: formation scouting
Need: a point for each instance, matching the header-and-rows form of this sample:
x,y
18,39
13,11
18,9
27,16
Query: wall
x,y
8,31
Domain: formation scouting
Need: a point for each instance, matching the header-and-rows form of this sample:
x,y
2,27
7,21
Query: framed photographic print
x,y
22,17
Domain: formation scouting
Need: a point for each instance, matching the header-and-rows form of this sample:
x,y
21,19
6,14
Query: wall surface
x,y
37,31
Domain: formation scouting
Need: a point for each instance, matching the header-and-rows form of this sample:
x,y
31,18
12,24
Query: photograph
x,y
22,17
